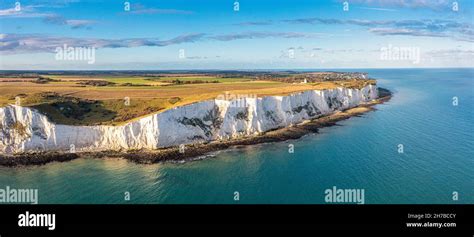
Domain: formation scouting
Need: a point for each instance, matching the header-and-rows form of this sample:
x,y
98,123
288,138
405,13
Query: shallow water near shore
x,y
438,157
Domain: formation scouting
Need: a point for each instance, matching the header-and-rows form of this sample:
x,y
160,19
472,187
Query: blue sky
x,y
262,34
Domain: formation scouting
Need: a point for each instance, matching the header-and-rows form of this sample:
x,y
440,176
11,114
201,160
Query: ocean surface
x,y
360,153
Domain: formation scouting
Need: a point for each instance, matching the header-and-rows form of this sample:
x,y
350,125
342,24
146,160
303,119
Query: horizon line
x,y
261,69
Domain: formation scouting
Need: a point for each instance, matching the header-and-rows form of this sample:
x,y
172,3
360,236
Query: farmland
x,y
112,99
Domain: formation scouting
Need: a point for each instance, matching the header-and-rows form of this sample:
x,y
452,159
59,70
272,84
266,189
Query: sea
x,y
417,148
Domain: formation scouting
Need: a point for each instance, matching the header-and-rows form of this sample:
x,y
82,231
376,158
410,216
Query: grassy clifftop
x,y
115,99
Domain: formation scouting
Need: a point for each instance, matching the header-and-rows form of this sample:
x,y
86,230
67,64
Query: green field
x,y
205,79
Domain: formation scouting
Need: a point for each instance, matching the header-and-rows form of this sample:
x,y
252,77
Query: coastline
x,y
196,150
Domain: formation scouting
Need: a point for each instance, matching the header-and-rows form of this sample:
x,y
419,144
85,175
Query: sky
x,y
235,34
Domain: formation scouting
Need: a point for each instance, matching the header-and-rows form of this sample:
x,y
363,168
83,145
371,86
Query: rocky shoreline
x,y
197,150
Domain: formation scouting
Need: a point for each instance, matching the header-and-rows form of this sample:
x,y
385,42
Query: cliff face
x,y
26,130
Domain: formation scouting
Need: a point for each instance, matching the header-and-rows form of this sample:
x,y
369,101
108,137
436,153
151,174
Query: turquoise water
x,y
438,158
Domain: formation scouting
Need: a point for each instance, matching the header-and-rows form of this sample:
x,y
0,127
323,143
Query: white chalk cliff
x,y
24,129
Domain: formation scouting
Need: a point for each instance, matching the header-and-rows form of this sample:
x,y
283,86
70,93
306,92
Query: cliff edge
x,y
24,129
